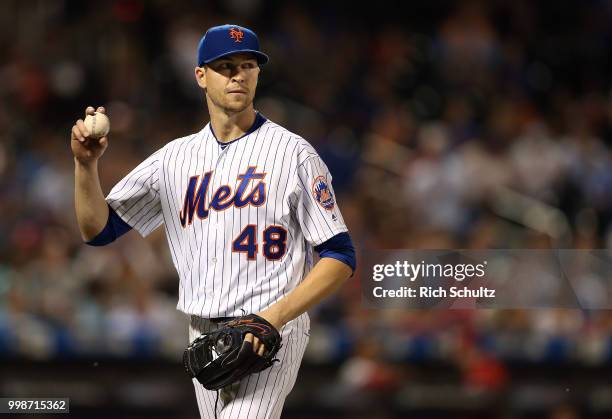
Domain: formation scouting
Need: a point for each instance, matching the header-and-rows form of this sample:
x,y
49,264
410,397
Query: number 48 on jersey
x,y
274,239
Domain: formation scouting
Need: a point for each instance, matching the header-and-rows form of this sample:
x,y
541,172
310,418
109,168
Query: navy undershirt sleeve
x,y
115,228
339,247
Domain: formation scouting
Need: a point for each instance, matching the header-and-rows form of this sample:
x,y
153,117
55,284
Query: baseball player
x,y
244,202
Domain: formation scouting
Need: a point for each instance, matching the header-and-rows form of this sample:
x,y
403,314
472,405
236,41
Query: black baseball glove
x,y
222,357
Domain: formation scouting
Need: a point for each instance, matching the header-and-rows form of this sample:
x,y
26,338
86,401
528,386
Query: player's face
x,y
231,81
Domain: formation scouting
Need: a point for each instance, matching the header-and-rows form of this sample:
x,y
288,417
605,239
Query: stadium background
x,y
475,124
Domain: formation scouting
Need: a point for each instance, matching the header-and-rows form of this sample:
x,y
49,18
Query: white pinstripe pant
x,y
258,396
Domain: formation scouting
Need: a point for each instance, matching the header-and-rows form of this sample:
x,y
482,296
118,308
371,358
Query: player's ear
x,y
200,75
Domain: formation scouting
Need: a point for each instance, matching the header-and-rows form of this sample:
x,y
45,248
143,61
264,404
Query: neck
x,y
229,126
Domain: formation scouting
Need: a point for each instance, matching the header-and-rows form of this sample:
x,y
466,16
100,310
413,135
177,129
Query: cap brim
x,y
261,57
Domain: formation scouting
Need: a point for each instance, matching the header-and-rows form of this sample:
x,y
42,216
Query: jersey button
x,y
214,260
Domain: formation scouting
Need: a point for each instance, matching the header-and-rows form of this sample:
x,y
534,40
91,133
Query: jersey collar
x,y
259,121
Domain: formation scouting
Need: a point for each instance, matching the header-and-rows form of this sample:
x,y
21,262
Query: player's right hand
x,y
84,148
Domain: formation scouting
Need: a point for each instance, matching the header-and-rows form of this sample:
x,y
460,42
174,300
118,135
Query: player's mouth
x,y
238,91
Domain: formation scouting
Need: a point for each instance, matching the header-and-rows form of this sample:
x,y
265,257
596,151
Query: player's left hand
x,y
234,359
258,347
274,320
271,315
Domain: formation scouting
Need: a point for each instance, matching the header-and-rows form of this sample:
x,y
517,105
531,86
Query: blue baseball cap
x,y
223,40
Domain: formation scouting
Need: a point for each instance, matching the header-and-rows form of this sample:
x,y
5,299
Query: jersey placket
x,y
215,218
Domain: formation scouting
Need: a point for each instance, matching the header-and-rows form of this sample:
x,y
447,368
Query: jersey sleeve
x,y
136,197
315,204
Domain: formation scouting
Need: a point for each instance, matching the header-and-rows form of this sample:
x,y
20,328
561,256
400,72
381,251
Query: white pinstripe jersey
x,y
241,222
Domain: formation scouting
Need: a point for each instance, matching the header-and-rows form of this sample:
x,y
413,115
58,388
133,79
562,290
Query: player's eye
x,y
224,66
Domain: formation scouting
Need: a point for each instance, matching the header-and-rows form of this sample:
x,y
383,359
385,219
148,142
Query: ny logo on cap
x,y
236,34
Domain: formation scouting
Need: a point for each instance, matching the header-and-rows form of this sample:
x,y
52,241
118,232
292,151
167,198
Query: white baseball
x,y
97,124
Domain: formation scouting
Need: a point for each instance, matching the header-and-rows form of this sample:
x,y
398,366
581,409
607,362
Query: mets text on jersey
x,y
222,198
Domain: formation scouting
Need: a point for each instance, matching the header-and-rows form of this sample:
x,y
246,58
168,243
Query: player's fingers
x,y
76,134
89,110
255,344
103,141
101,109
261,350
248,337
81,126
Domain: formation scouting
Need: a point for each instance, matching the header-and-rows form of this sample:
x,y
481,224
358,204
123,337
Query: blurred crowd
x,y
469,125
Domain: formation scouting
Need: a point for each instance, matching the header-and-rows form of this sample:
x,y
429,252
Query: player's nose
x,y
238,78
239,73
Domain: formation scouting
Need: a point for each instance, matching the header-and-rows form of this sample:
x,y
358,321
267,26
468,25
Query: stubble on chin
x,y
235,106
228,106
